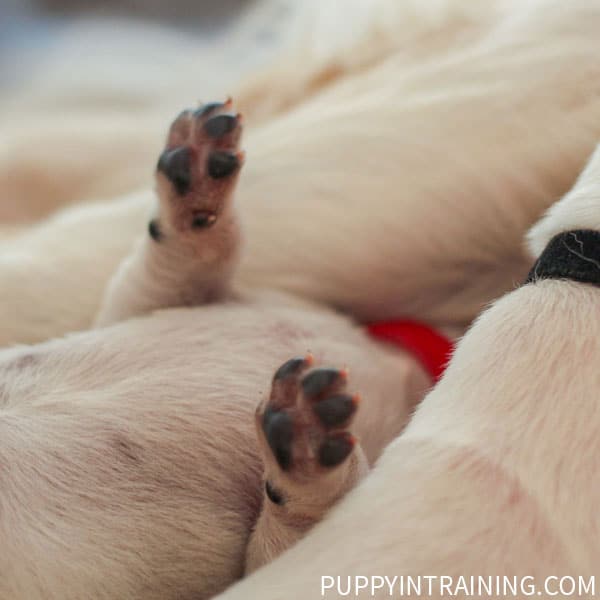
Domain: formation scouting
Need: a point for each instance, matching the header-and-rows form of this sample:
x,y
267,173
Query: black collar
x,y
571,255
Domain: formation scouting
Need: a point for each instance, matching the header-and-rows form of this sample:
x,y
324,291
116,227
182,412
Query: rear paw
x,y
196,173
305,422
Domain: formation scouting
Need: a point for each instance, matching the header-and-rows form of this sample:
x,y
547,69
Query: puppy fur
x,y
97,442
471,123
116,483
431,159
495,473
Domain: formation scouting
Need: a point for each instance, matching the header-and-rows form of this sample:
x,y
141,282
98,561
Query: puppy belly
x,y
134,467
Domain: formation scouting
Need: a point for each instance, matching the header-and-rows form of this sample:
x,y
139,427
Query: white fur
x,y
129,466
403,185
471,136
495,474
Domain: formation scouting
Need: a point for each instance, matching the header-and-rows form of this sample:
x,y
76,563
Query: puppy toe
x,y
176,165
222,163
220,125
291,368
278,427
337,410
208,109
336,448
323,381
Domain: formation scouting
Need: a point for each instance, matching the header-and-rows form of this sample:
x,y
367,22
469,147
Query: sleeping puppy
x,y
496,473
134,462
115,439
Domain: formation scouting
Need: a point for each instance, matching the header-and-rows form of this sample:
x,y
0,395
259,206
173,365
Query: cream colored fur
x,y
495,473
472,140
119,483
398,178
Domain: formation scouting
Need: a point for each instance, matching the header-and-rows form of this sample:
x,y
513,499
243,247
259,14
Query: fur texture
x,y
494,475
130,466
396,181
471,124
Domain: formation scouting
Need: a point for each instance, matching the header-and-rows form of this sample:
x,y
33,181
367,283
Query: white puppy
x,y
403,185
403,189
495,475
130,462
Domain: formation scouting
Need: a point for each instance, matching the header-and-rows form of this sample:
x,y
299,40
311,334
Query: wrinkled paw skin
x,y
305,421
197,171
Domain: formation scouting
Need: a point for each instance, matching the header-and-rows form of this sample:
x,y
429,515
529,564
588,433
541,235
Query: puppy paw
x,y
305,423
197,171
310,456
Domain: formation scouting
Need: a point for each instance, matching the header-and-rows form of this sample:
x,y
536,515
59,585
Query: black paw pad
x,y
273,494
218,126
321,380
222,164
292,367
279,431
207,109
336,410
204,219
182,116
176,165
154,230
335,449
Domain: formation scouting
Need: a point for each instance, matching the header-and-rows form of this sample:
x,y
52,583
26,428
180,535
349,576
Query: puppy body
x,y
129,461
494,474
392,267
403,147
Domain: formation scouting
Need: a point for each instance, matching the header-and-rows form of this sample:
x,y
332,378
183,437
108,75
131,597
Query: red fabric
x,y
428,345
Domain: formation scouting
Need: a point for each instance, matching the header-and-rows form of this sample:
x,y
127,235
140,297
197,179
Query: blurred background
x,y
32,32
81,78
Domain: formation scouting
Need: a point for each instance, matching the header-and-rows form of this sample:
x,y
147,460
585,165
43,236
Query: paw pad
x,y
200,162
305,419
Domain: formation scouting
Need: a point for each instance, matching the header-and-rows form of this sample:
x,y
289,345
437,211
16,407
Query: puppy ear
x,y
578,209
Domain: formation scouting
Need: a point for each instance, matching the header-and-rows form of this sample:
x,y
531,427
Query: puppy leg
x,y
311,458
191,249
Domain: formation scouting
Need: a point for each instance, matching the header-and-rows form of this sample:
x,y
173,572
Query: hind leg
x,y
191,248
310,456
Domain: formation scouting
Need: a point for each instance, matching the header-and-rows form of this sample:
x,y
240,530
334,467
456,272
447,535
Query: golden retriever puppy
x,y
495,475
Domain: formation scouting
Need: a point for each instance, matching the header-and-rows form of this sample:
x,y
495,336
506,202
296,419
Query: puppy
x,y
404,167
60,398
495,475
133,460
